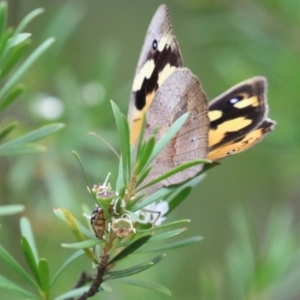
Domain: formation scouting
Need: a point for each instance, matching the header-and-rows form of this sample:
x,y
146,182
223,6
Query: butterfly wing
x,y
160,56
180,93
238,118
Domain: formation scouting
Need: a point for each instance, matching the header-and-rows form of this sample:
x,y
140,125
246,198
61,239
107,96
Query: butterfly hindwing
x,y
191,141
238,118
159,57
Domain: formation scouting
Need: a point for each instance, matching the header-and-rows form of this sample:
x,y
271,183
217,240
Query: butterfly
x,y
165,90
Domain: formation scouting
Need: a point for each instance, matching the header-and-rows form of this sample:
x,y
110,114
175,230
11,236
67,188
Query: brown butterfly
x,y
165,90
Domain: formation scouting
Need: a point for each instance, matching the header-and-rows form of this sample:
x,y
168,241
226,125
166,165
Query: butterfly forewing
x,y
160,56
171,101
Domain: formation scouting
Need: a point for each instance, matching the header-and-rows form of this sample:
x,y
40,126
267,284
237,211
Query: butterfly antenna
x,y
106,143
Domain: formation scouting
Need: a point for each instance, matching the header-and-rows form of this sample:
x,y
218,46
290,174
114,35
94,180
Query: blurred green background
x,y
93,60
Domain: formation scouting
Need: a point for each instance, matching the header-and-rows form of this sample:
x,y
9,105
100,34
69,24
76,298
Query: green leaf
x,y
147,285
142,176
59,212
82,245
77,156
160,194
66,263
145,154
28,19
162,143
120,179
134,270
165,225
72,223
131,248
182,243
7,129
22,149
15,266
18,39
14,57
11,209
133,201
30,259
181,192
178,198
26,232
166,235
25,66
33,136
73,293
12,95
176,170
43,269
9,285
123,131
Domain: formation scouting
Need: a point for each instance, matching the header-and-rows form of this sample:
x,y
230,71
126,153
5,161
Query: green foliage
x,y
91,62
257,267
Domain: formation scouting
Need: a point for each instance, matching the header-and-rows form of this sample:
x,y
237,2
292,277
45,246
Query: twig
x,y
94,288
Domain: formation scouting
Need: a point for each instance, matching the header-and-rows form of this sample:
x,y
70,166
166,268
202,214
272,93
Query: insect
x,y
165,90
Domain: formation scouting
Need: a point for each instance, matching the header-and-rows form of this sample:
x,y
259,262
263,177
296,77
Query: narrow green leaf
x,y
160,194
25,66
22,149
123,131
168,136
133,201
33,135
43,269
147,285
134,270
13,58
72,223
144,156
178,198
18,39
131,248
77,156
7,34
11,209
59,212
28,19
13,94
165,225
129,271
166,235
120,179
15,266
30,259
73,293
7,129
81,245
9,285
182,243
27,232
66,263
142,176
176,170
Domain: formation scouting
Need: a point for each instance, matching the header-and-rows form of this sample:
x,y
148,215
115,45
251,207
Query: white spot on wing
x,y
165,73
165,40
145,72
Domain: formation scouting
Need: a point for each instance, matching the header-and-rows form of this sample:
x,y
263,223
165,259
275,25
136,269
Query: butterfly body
x,y
164,90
